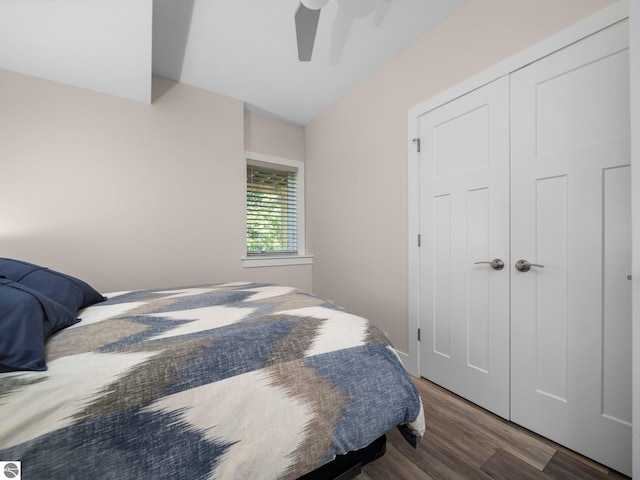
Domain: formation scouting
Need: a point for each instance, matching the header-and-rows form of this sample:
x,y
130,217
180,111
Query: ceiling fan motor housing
x,y
314,4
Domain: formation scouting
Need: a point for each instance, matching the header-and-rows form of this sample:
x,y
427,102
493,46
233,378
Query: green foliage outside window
x,y
271,211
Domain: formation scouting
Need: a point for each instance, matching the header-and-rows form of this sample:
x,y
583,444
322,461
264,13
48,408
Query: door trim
x,y
604,18
634,39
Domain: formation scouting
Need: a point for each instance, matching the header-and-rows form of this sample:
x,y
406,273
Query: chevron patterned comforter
x,y
247,381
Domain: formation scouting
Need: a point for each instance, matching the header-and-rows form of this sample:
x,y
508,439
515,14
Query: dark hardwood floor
x,y
463,441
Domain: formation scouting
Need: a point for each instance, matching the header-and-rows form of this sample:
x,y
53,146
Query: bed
x,y
224,381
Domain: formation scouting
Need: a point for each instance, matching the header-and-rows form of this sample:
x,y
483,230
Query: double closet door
x,y
525,216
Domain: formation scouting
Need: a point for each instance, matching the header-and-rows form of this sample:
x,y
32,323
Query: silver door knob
x,y
496,264
524,266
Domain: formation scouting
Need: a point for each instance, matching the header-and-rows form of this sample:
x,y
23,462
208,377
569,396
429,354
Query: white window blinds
x,y
272,211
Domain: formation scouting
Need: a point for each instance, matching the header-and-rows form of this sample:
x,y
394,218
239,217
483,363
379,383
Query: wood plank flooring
x,y
463,441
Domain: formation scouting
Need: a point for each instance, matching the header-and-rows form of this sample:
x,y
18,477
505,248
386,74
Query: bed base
x,y
346,467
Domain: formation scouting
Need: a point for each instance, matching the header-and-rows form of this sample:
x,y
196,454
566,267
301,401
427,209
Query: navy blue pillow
x,y
70,292
27,319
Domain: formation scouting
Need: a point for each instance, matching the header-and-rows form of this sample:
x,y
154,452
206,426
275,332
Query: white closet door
x,y
571,317
464,204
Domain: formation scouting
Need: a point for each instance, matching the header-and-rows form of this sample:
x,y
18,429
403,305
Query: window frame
x,y
270,260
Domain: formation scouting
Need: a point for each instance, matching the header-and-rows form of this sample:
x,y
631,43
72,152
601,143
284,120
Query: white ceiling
x,y
245,49
101,45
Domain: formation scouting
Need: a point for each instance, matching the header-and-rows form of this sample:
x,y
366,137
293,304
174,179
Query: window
x,y
274,211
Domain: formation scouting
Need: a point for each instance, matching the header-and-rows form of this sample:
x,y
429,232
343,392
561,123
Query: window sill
x,y
277,261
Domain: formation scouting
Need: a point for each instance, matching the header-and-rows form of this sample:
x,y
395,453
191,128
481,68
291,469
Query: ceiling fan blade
x,y
306,28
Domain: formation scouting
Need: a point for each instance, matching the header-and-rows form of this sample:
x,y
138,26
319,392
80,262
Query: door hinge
x,y
419,239
418,334
417,142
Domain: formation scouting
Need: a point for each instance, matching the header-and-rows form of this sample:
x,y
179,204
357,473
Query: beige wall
x,y
359,145
123,194
273,137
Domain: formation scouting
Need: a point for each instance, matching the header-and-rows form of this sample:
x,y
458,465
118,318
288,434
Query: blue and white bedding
x,y
225,381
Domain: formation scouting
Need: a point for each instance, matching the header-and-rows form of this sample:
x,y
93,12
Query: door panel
x,y
617,395
550,284
570,200
442,271
465,219
478,327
